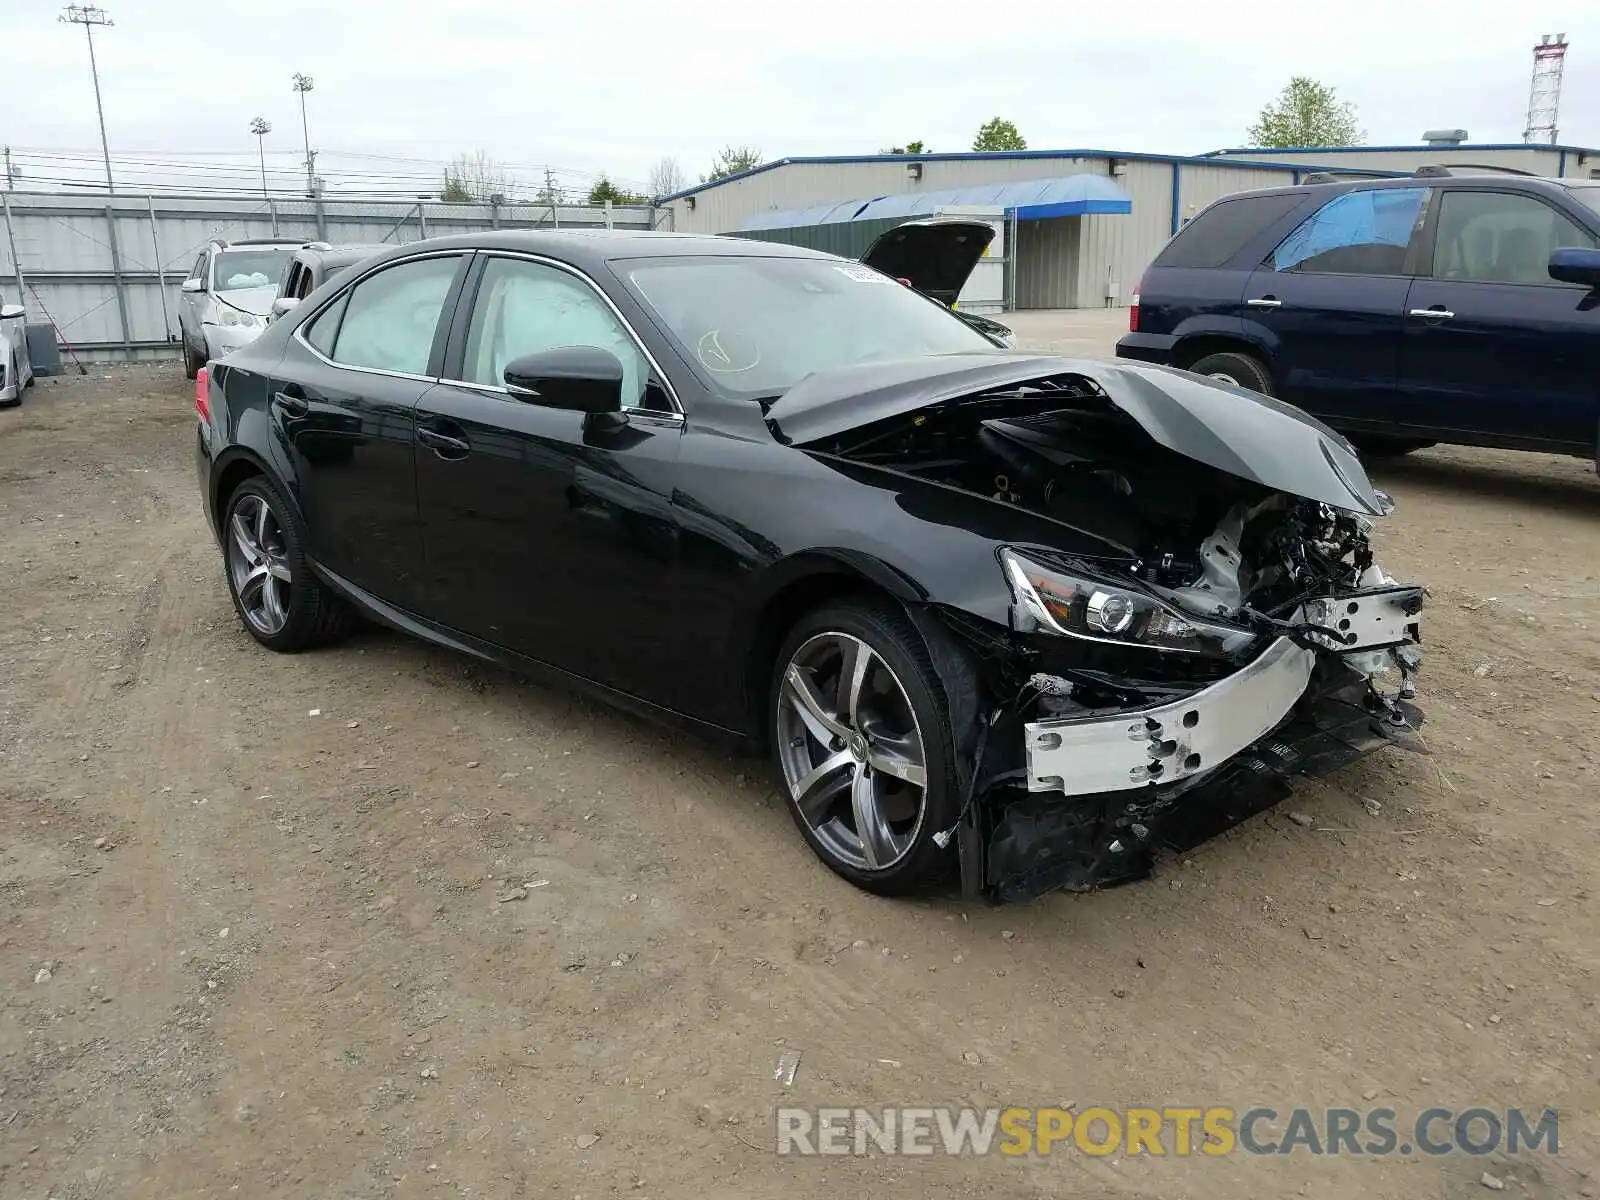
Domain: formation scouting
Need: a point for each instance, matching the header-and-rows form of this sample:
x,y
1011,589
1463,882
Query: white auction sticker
x,y
864,274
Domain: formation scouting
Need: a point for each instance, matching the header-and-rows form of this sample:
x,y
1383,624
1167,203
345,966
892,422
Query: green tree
x,y
916,147
604,190
1306,113
998,134
731,160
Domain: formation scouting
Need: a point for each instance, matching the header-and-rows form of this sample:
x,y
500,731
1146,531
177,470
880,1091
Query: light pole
x,y
89,16
303,84
261,128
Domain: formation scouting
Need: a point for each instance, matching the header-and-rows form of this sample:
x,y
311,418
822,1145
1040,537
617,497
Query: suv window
x,y
199,269
1363,232
524,307
390,318
1500,237
1219,232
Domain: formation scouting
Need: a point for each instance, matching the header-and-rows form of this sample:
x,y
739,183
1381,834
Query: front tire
x,y
192,362
282,604
860,732
1241,370
16,379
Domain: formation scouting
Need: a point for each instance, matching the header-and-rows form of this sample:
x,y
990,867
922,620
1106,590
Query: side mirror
x,y
283,304
8,311
194,285
584,379
1575,264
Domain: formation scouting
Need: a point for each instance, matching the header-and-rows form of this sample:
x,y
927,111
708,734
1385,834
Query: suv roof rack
x,y
1331,177
1440,171
224,243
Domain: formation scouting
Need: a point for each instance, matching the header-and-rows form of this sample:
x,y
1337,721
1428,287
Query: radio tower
x,y
1544,93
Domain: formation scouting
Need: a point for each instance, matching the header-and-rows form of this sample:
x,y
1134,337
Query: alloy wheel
x,y
258,564
1224,377
851,751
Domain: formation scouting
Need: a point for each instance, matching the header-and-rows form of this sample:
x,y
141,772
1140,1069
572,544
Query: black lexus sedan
x,y
1006,617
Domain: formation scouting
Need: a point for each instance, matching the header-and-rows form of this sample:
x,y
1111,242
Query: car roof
x,y
1462,177
591,247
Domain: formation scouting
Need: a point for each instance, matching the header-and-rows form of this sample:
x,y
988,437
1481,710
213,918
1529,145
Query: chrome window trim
x,y
299,330
655,367
674,419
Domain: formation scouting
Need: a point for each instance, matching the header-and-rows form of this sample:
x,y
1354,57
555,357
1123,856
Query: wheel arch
x,y
1193,348
793,588
232,468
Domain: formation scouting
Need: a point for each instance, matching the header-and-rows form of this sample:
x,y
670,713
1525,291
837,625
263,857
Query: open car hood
x,y
936,255
1248,435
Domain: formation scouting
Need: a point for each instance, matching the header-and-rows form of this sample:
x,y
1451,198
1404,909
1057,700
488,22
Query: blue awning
x,y
1027,200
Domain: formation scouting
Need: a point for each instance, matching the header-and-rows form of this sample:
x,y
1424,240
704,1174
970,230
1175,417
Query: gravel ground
x,y
263,928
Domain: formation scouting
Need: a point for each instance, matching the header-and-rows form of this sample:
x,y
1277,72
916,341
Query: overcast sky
x,y
612,85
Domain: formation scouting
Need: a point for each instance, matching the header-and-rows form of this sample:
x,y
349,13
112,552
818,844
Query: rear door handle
x,y
443,444
295,406
1438,313
1265,302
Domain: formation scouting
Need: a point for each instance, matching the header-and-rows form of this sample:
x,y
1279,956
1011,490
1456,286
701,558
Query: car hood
x,y
1248,435
257,300
936,255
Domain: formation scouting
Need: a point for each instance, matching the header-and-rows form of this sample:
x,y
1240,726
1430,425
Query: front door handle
x,y
443,444
1265,302
1438,312
295,406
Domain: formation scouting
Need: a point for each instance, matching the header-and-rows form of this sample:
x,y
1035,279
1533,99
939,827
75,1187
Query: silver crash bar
x,y
1078,756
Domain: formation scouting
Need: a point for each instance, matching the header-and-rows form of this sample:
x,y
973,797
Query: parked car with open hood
x,y
936,256
16,367
1017,616
227,299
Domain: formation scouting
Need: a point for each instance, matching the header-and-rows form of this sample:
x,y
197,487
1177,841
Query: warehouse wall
x,y
1045,259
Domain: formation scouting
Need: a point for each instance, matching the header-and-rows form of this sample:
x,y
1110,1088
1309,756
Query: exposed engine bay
x,y
1221,636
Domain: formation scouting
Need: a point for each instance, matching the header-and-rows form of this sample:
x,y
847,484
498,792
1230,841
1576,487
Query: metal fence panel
x,y
105,269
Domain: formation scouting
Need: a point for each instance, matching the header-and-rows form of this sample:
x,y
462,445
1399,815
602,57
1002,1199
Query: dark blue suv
x,y
1401,311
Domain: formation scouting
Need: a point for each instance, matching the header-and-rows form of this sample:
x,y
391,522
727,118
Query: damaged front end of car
x,y
1211,623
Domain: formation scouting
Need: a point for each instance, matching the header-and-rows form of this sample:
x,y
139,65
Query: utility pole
x,y
303,84
261,128
88,15
11,172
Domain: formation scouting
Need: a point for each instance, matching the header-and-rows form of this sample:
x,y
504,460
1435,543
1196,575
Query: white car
x,y
16,368
227,299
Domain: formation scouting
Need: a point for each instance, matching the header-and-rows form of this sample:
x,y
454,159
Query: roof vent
x,y
1445,137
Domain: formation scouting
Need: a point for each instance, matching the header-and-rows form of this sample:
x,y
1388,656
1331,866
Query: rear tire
x,y
888,739
1241,370
282,604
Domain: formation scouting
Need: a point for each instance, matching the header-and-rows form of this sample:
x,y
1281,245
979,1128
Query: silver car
x,y
16,369
228,296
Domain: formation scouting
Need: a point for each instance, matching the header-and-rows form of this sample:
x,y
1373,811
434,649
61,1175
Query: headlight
x,y
1079,606
232,317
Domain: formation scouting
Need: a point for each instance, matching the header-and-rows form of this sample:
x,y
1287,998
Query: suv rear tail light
x,y
202,394
1133,309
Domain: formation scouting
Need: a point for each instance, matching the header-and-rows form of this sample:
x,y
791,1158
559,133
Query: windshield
x,y
1588,193
757,326
238,269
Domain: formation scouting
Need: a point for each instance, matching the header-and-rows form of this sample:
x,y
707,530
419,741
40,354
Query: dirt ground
x,y
262,928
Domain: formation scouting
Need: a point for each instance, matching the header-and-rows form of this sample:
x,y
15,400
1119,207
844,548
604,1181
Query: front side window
x,y
755,326
198,271
525,307
1359,233
1500,237
235,270
391,317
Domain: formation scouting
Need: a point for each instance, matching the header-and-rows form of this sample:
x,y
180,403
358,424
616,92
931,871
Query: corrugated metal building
x,y
1086,260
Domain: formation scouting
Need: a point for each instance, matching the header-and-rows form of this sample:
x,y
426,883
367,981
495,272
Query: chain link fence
x,y
103,270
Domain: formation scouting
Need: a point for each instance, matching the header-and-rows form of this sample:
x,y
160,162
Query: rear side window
x,y
1358,233
325,328
390,318
1221,231
1500,237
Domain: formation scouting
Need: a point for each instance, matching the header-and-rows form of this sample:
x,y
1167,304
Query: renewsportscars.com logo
x,y
1175,1131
